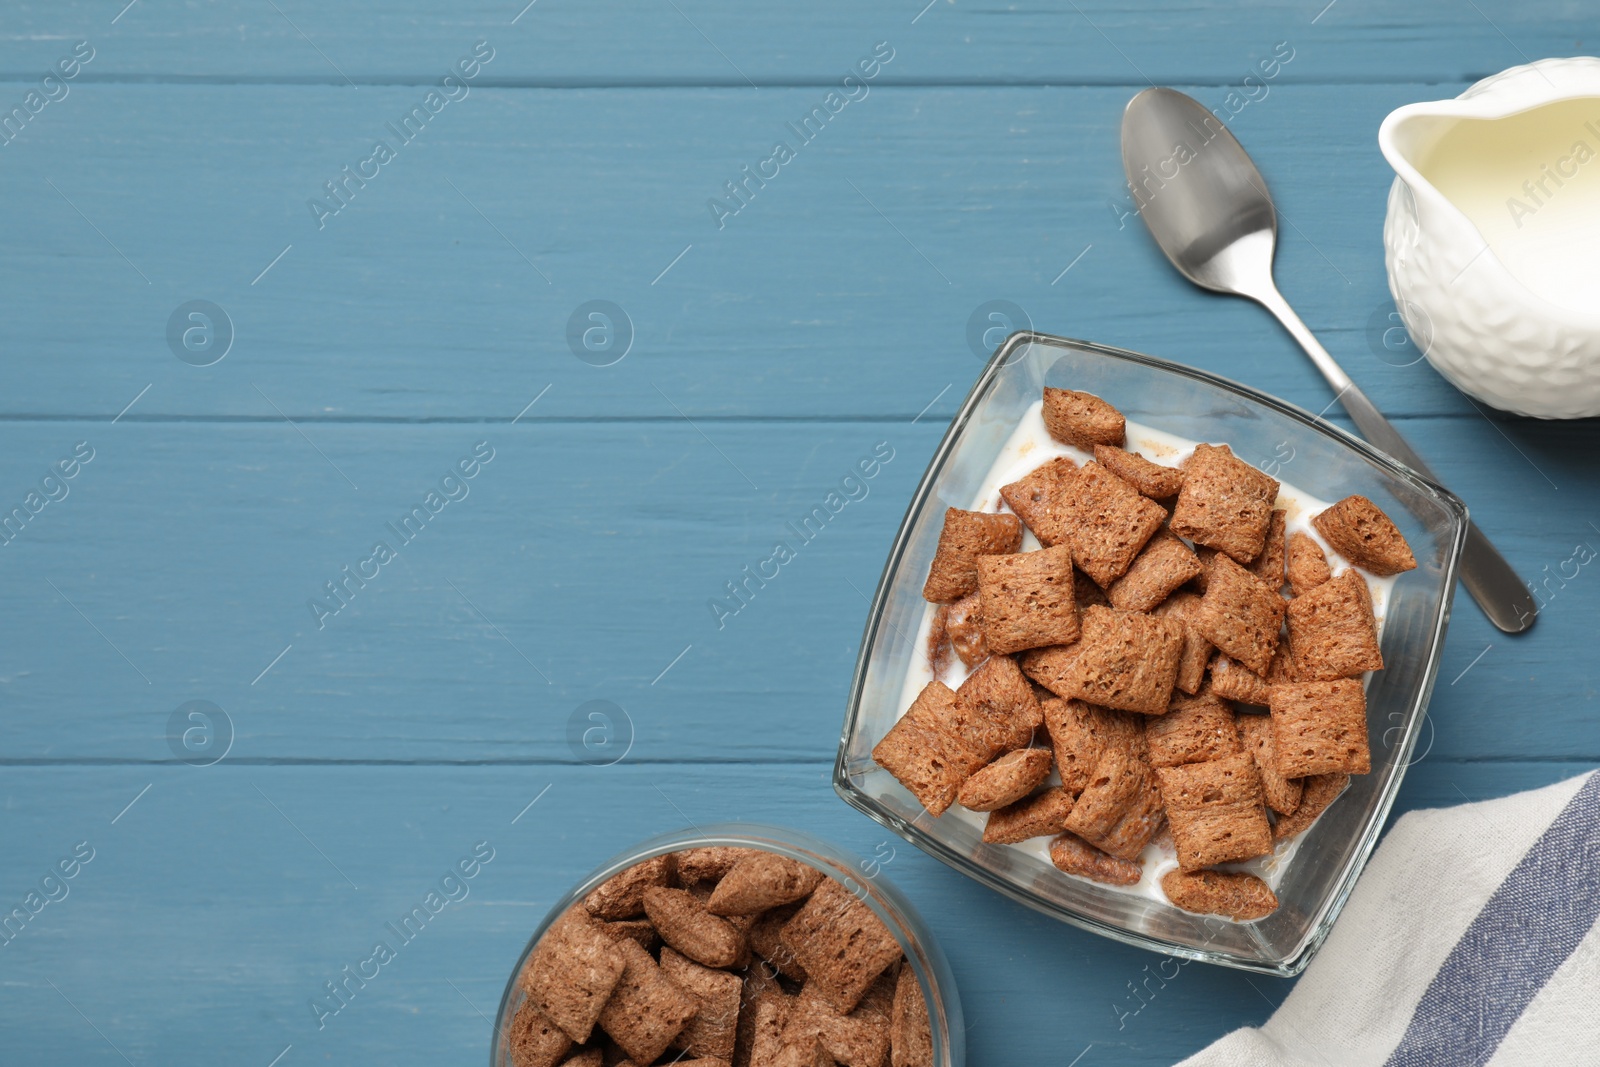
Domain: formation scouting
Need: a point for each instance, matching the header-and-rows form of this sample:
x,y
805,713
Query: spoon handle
x,y
1498,590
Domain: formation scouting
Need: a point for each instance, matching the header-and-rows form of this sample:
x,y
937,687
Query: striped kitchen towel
x,y
1470,940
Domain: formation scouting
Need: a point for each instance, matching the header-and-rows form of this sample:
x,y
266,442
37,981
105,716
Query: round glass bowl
x,y
860,877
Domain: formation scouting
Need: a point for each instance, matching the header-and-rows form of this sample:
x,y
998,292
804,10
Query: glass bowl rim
x,y
889,903
1346,878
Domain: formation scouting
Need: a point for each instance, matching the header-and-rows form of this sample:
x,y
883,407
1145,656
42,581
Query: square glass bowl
x,y
1313,455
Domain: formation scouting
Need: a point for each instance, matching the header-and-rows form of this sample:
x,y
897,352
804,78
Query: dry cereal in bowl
x,y
732,946
1150,653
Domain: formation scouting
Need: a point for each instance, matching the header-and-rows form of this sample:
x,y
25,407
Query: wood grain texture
x,y
579,566
845,287
717,42
830,313
223,922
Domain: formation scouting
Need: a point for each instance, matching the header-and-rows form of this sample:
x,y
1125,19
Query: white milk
x,y
1530,183
1030,446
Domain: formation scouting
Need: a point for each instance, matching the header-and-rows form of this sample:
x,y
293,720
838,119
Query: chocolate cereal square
x,y
534,1040
910,1036
1073,855
1161,566
1027,600
967,535
1360,532
1080,733
681,918
964,628
1282,794
1320,791
1129,661
1240,615
1332,630
768,1014
1051,667
760,882
1320,728
928,750
1082,419
1006,780
860,1037
1120,810
622,895
1040,816
1108,522
1308,565
1269,565
1151,479
1197,729
1232,681
1216,811
573,972
1225,503
712,1030
1235,894
647,1010
841,944
709,863
1040,499
1182,606
999,708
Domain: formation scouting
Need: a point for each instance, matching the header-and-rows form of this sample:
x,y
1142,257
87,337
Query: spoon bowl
x,y
1196,202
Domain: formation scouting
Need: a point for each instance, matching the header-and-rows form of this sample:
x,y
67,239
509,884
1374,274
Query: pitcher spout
x,y
1407,138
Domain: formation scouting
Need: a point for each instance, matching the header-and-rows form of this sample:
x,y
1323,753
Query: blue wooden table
x,y
573,345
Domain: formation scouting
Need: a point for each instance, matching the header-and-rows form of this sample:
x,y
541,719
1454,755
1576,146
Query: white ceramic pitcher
x,y
1493,236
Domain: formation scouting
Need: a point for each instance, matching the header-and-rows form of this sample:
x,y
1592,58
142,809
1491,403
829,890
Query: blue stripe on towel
x,y
1531,924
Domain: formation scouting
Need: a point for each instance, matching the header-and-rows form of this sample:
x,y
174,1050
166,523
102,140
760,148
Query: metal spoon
x,y
1208,208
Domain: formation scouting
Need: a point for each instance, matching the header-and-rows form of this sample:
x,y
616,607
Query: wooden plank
x,y
223,900
846,287
823,318
551,42
581,565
